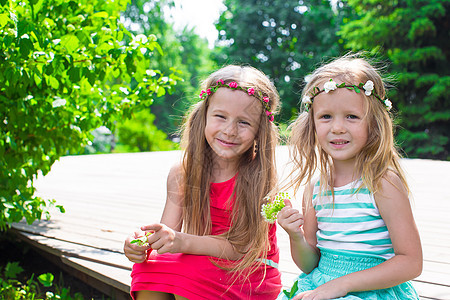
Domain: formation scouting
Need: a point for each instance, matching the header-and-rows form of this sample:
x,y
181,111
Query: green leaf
x,y
12,269
70,42
160,91
74,74
53,82
46,279
37,79
294,289
101,14
116,72
4,19
26,46
61,208
290,294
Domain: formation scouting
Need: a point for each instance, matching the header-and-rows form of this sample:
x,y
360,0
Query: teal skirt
x,y
335,264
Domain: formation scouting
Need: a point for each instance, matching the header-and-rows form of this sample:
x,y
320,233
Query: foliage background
x,y
68,68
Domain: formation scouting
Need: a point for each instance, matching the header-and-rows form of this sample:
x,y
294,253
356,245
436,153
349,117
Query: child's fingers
x,y
134,252
287,203
159,244
295,222
138,234
137,258
287,212
152,227
156,240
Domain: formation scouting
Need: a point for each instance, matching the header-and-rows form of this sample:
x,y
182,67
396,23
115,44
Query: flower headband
x,y
234,86
331,86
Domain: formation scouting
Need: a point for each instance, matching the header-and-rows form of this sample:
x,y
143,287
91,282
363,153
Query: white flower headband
x,y
234,86
331,86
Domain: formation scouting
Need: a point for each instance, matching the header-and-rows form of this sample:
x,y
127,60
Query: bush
x,y
66,68
139,134
12,289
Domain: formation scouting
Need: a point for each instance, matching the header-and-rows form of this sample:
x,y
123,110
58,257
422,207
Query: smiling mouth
x,y
339,142
226,143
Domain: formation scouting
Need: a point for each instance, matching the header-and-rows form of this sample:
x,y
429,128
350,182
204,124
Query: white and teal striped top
x,y
352,223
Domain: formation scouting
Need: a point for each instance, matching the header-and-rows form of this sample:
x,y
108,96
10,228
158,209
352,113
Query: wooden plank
x,y
431,291
107,271
61,248
108,196
118,278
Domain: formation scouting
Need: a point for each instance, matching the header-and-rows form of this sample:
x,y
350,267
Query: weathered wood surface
x,y
107,197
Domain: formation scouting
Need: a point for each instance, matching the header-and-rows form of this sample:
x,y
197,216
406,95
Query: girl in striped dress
x,y
356,237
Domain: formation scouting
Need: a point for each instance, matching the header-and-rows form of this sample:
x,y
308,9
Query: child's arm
x,y
167,236
166,240
303,242
173,210
393,204
171,217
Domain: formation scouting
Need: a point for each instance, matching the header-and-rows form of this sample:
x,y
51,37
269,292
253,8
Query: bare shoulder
x,y
390,184
175,178
172,214
391,192
176,173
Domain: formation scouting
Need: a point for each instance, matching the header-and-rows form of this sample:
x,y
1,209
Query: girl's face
x,y
341,124
232,122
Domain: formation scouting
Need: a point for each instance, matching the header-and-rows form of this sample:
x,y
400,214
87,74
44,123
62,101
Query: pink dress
x,y
195,277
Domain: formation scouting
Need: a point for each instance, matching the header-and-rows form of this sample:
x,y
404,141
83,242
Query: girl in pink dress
x,y
212,242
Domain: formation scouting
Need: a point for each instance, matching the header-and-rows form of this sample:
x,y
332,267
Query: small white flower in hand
x,y
270,210
142,240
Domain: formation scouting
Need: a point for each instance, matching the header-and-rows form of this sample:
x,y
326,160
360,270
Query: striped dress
x,y
351,222
351,237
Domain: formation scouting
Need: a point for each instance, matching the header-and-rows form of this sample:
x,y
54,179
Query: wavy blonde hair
x,y
255,178
380,153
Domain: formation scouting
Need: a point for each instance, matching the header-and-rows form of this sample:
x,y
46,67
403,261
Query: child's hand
x,y
270,210
329,290
133,251
142,240
164,239
290,219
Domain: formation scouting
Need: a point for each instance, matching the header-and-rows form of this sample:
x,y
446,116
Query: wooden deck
x,y
106,197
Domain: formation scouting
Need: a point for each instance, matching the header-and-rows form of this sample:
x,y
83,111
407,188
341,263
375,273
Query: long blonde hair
x,y
256,172
380,153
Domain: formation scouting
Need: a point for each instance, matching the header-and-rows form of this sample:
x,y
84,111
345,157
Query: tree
x,y
414,36
141,134
286,39
66,68
184,50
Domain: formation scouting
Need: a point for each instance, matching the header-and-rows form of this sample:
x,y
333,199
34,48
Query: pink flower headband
x,y
331,86
234,86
